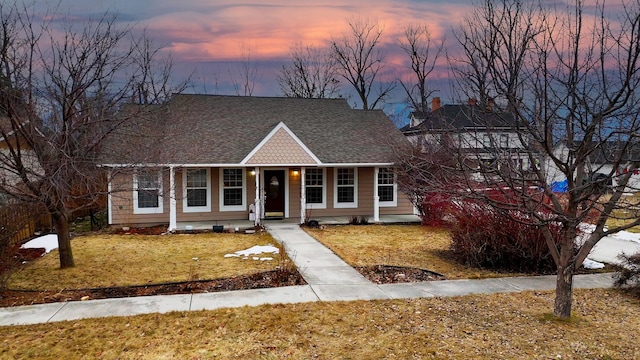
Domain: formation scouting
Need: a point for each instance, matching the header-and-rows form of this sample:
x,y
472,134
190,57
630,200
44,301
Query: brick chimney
x,y
490,104
435,103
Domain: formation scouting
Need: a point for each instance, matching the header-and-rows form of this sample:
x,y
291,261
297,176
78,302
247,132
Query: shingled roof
x,y
462,118
213,129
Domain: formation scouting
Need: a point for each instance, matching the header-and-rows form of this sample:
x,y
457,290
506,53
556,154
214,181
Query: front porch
x,y
242,225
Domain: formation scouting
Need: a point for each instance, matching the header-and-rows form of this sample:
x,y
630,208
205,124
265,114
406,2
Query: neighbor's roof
x,y
462,118
213,129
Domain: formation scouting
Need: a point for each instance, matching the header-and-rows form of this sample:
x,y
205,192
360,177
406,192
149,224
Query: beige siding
x,y
404,207
122,199
365,196
294,194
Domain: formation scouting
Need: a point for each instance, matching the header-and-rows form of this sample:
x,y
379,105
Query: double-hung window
x,y
197,190
346,191
147,192
387,188
314,187
232,190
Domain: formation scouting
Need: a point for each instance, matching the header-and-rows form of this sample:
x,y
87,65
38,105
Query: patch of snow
x,y
627,236
48,242
255,250
590,264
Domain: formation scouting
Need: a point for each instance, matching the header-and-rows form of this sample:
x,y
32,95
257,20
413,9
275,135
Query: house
x,y
601,164
209,158
482,136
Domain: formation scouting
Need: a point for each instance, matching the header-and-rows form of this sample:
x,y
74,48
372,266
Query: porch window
x,y
315,194
387,187
197,190
147,192
232,190
346,191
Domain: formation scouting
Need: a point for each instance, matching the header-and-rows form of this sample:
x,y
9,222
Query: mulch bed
x,y
383,274
261,280
379,274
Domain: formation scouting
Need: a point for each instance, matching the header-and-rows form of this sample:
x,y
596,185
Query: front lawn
x,y
398,245
122,260
498,326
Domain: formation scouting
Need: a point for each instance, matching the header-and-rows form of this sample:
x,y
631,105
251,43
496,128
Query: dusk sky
x,y
208,37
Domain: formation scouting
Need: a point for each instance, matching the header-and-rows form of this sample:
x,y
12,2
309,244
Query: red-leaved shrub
x,y
488,237
435,208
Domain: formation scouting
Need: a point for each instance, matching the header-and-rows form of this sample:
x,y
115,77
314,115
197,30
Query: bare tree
x,y
417,45
570,80
60,98
360,61
311,74
245,76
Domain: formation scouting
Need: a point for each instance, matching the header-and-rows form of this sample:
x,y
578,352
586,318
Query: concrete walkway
x,y
328,278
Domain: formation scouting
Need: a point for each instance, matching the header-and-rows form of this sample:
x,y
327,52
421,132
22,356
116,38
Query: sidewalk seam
x,y
57,311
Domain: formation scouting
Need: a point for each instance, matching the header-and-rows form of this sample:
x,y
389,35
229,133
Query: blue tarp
x,y
560,186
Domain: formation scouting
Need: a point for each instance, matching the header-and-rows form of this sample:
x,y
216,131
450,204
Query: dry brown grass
x,y
119,260
399,245
501,326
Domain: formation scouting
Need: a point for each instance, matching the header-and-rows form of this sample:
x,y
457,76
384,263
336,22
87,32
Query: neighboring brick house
x,y
216,158
483,136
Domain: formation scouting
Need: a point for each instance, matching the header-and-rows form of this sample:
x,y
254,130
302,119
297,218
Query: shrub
x,y
485,237
435,208
629,272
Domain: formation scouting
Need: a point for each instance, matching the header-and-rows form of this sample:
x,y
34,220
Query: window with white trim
x,y
387,188
346,190
486,140
314,188
504,141
147,192
232,190
197,190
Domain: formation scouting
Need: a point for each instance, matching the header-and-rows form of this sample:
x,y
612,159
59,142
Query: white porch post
x,y
173,224
258,211
376,198
303,196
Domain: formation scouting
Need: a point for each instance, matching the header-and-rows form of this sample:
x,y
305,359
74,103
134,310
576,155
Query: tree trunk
x,y
564,292
61,223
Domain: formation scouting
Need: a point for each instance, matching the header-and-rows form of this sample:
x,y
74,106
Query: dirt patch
x,y
151,230
383,274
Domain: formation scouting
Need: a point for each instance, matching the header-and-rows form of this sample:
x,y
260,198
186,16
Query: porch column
x,y
257,199
109,199
173,225
376,198
303,196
